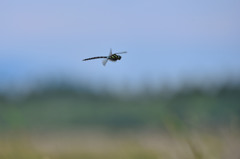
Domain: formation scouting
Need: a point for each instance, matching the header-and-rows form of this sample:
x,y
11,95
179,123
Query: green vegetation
x,y
60,107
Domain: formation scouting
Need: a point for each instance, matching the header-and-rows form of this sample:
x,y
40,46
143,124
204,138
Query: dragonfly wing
x,y
110,52
124,52
104,61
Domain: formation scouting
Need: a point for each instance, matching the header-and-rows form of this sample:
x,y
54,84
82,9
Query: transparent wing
x,y
105,61
124,52
110,52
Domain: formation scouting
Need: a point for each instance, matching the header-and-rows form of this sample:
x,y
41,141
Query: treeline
x,y
66,105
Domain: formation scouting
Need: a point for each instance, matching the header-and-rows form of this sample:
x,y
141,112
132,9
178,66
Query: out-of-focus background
x,y
175,94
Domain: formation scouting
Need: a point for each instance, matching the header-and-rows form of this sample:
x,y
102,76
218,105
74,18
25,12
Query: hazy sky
x,y
167,41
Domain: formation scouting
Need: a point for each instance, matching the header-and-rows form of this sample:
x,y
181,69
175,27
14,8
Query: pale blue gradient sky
x,y
167,41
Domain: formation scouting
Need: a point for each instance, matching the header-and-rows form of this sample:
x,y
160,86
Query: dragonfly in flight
x,y
111,57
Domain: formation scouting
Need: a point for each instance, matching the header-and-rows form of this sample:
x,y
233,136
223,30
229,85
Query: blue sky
x,y
167,41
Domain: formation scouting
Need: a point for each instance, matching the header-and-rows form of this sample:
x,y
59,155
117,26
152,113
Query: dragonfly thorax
x,y
114,57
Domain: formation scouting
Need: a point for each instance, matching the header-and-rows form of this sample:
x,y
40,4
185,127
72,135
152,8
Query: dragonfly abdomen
x,y
98,57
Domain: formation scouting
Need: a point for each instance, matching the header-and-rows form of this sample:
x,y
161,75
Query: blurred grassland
x,y
130,145
68,122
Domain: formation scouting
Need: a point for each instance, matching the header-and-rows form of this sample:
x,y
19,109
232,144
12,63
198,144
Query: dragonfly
x,y
112,57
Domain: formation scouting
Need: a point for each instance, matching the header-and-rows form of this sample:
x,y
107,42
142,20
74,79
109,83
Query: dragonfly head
x,y
119,57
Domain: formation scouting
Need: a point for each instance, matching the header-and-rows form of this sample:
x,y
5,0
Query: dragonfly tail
x,y
92,58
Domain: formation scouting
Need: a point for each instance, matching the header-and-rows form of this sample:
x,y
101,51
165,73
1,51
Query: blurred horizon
x,y
64,105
